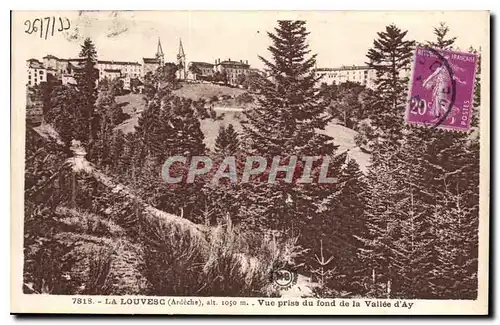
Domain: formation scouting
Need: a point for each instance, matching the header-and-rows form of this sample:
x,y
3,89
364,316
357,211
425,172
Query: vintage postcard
x,y
250,162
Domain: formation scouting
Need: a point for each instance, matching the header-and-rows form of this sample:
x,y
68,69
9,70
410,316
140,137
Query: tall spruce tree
x,y
390,57
284,123
168,127
227,141
290,107
221,140
86,76
344,230
417,194
441,41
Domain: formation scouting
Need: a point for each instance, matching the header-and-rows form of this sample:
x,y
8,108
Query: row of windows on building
x,y
35,76
346,74
104,74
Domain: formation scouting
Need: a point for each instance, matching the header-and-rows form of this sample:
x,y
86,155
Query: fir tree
x,y
227,142
390,57
65,114
290,108
221,140
86,78
168,127
284,122
441,41
344,229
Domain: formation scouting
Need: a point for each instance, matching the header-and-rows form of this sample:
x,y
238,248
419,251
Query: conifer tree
x,y
221,141
291,107
168,127
441,41
345,229
65,114
284,122
227,142
86,78
390,57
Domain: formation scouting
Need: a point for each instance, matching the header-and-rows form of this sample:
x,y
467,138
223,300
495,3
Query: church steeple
x,y
181,49
181,62
159,53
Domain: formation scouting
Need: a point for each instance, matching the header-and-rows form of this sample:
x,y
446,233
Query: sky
x,y
339,38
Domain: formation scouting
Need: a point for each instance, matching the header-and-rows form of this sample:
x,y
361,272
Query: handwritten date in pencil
x,y
46,26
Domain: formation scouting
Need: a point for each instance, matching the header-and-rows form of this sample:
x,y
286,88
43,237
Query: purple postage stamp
x,y
442,88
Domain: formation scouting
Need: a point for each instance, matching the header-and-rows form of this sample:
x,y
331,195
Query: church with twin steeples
x,y
151,64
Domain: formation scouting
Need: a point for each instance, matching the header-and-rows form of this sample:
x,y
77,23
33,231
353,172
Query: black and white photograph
x,y
250,162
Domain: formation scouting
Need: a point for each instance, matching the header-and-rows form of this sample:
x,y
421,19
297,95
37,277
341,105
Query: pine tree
x,y
284,122
381,189
291,107
441,41
417,190
86,78
227,142
168,127
390,57
344,230
221,141
65,114
455,164
233,140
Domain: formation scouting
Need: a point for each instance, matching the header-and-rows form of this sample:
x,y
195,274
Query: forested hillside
x,y
101,219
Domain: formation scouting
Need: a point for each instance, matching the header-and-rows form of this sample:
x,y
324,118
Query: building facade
x,y
64,69
232,69
200,70
56,66
126,69
37,73
363,75
68,79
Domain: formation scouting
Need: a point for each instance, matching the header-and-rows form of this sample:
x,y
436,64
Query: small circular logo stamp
x,y
283,277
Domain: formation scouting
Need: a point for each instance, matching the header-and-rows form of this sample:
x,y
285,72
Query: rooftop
x,y
118,62
151,60
345,68
35,65
202,63
50,56
229,62
74,59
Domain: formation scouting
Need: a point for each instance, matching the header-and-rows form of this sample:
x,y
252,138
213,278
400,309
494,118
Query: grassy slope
x,y
206,91
344,137
132,105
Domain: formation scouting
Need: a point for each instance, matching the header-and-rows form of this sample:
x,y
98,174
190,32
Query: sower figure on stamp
x,y
440,81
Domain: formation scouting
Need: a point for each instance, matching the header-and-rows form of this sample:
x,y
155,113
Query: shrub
x,y
244,98
225,262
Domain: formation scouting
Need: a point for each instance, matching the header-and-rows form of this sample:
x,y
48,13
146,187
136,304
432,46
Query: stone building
x,y
363,75
36,72
232,69
200,70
